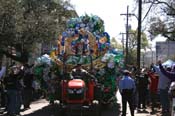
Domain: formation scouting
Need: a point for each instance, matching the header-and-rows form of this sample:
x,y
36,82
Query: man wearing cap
x,y
127,88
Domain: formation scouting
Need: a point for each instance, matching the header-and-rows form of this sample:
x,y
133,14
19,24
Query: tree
x,y
115,44
7,23
23,23
133,40
133,45
164,23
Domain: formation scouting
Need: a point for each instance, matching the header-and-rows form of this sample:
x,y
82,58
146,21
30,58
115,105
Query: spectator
x,y
2,90
13,87
163,87
127,88
142,88
2,71
27,91
168,74
153,89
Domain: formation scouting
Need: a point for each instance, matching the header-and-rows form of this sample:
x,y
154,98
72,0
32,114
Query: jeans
x,y
14,101
164,99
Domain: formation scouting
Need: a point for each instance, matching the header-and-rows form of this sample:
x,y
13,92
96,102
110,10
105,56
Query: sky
x,y
107,10
110,11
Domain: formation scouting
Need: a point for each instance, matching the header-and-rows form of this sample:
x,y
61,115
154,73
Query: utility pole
x,y
123,34
127,33
139,34
123,42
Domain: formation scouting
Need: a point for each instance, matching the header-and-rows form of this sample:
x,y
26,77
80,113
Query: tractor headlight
x,y
57,102
95,102
79,91
70,91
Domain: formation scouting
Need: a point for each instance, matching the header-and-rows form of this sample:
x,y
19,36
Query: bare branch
x,y
165,3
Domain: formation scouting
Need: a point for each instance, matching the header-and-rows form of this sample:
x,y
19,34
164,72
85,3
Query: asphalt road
x,y
43,108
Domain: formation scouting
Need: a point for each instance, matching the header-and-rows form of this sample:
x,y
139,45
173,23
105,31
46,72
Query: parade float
x,y
84,41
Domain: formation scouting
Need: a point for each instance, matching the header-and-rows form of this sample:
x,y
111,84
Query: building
x,y
147,58
165,50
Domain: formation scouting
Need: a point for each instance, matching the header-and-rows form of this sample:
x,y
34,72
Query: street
x,y
42,108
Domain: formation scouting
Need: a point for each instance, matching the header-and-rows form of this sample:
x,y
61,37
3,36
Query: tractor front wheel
x,y
96,110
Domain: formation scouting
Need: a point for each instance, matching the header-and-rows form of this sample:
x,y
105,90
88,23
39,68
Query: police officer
x,y
127,88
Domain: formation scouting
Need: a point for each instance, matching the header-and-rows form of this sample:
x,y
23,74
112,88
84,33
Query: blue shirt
x,y
126,83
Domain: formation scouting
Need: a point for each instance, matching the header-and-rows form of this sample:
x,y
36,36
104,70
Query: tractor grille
x,y
76,94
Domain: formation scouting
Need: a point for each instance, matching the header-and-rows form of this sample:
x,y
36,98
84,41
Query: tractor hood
x,y
76,83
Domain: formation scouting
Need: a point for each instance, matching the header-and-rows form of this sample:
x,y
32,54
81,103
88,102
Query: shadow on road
x,y
52,110
112,110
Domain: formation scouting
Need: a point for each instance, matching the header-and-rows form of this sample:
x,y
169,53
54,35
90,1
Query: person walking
x,y
127,88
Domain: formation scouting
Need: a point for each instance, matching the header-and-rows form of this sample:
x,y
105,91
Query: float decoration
x,y
84,36
84,41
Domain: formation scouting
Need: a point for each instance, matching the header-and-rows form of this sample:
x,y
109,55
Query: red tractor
x,y
80,97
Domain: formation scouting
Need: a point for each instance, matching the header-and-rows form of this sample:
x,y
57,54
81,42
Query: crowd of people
x,y
147,89
150,89
16,88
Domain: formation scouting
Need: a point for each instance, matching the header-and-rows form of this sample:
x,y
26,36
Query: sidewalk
x,y
141,113
35,106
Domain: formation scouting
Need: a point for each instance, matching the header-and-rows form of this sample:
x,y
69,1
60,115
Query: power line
x,y
148,11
